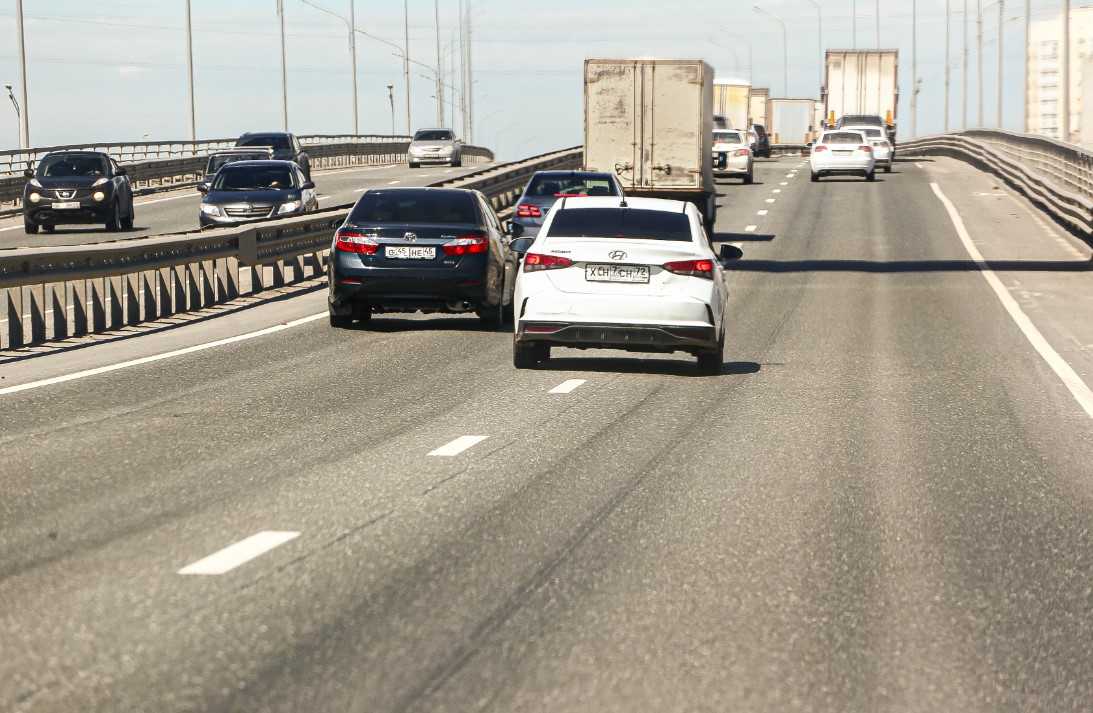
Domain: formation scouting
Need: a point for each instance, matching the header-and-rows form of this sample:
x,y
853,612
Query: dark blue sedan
x,y
431,250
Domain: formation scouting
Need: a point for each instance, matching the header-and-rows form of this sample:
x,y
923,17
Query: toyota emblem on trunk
x,y
617,255
410,237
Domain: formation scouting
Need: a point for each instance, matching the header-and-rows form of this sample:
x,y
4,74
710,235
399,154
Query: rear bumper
x,y
458,290
630,337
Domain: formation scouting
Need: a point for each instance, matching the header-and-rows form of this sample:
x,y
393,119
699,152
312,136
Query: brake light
x,y
467,245
533,262
691,268
740,152
867,149
351,242
528,211
817,149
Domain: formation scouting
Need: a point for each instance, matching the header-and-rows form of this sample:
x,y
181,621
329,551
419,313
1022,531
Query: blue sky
x,y
113,70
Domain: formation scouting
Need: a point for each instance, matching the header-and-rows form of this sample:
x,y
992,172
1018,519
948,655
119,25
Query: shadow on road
x,y
634,365
742,238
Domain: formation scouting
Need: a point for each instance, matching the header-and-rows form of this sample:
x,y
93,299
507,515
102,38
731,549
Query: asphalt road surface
x,y
883,503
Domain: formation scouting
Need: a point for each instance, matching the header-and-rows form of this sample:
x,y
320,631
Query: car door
x,y
504,274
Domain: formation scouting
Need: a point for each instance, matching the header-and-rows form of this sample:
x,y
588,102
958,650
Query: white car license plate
x,y
616,273
71,205
410,252
843,153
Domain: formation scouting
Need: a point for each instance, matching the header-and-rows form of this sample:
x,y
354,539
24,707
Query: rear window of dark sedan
x,y
558,185
415,207
620,223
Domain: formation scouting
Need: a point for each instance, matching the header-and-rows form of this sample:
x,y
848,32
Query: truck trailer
x,y
791,121
650,122
732,99
862,82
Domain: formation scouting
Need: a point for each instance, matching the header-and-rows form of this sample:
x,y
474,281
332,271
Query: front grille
x,y
67,194
250,211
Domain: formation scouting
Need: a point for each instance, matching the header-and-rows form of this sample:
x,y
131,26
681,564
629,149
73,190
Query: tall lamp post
x,y
18,114
785,51
406,58
25,125
391,98
284,66
1064,83
948,69
190,70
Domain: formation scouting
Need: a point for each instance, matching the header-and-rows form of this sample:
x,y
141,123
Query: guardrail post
x,y
227,279
278,279
178,289
298,268
208,283
97,287
13,313
37,294
57,292
193,286
150,294
132,298
114,309
79,308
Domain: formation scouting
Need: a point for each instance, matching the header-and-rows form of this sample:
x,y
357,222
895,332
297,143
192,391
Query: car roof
x,y
572,173
271,162
665,205
250,134
77,152
419,189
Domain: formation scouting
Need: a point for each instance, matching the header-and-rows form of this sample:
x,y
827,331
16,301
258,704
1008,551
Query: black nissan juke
x,y
77,187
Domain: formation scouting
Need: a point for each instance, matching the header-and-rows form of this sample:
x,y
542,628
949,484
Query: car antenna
x,y
622,203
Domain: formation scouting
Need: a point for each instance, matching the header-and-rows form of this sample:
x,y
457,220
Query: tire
x,y
709,363
30,228
871,176
457,163
749,178
815,177
887,169
341,321
492,318
127,221
48,227
114,224
362,313
525,356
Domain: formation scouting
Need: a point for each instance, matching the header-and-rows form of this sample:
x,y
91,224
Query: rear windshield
x,y
250,178
415,207
215,162
70,165
863,119
727,137
873,133
620,223
574,185
277,143
842,137
436,135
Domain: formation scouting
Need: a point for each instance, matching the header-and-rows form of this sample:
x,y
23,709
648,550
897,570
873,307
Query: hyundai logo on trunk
x,y
617,255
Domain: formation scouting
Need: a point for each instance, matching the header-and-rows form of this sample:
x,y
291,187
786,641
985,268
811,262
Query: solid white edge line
x,y
240,553
458,446
158,357
567,386
1063,370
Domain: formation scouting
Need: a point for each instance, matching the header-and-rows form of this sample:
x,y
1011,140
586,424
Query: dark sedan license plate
x,y
616,273
410,252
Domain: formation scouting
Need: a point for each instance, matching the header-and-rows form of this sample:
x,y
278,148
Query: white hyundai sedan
x,y
842,151
636,274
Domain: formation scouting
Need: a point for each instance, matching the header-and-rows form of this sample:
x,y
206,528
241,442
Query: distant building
x,y
1042,108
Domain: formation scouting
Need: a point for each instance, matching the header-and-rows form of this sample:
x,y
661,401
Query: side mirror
x,y
308,185
202,188
808,145
521,245
29,173
122,171
730,253
514,230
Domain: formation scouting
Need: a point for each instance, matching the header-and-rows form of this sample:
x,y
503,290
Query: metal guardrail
x,y
61,292
1056,176
152,173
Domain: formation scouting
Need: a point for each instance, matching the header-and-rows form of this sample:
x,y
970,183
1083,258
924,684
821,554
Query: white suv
x,y
636,274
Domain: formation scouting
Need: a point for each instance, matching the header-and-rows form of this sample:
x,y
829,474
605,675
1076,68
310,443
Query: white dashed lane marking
x,y
566,386
458,446
240,553
750,228
771,200
391,183
763,212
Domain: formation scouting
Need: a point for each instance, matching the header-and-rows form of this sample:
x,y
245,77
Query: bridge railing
x,y
1056,175
62,292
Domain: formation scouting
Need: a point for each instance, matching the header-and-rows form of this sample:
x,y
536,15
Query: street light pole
x,y
353,62
998,75
25,124
439,84
785,52
190,70
854,24
406,58
391,98
878,24
284,66
964,86
945,120
979,61
1064,60
18,114
914,68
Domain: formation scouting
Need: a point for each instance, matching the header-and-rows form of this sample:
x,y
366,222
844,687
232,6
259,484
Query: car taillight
x,y
691,268
867,149
533,262
467,245
817,149
528,211
740,152
350,242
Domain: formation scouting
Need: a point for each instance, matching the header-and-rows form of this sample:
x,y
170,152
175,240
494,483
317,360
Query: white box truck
x,y
732,100
864,82
791,121
758,113
650,122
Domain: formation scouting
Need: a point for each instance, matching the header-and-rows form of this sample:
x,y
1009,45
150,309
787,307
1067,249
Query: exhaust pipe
x,y
460,306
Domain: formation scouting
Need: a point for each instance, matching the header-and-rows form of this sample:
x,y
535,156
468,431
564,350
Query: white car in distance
x,y
636,274
882,149
733,155
842,151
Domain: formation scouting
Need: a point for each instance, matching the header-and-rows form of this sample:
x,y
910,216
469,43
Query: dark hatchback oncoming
x,y
546,187
77,187
421,250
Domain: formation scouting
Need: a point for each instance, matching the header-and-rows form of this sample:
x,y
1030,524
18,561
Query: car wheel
x,y
414,165
525,356
815,177
749,178
709,363
362,313
491,317
30,228
341,321
114,224
871,176
48,227
457,163
887,169
127,221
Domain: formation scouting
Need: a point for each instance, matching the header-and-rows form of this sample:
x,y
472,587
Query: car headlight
x,y
290,207
98,195
34,182
446,149
211,210
101,181
34,198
